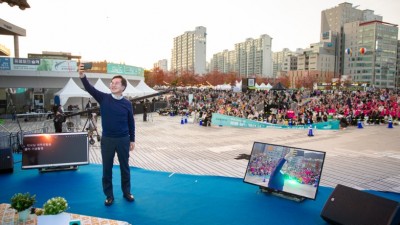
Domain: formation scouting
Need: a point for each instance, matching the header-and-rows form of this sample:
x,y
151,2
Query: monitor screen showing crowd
x,y
285,169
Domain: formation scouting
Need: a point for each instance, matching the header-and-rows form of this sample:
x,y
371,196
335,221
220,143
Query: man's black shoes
x,y
129,198
109,201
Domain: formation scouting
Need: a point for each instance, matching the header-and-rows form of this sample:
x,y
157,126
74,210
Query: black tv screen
x,y
54,150
284,169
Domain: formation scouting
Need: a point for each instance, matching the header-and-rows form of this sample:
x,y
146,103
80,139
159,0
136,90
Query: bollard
x,y
390,123
201,123
310,131
182,121
185,119
359,124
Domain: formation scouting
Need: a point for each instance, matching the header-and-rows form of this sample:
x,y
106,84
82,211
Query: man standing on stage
x,y
118,133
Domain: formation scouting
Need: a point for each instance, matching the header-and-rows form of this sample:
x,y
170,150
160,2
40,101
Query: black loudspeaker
x,y
6,160
354,207
244,85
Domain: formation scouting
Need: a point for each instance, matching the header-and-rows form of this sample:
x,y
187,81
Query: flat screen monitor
x,y
283,169
55,150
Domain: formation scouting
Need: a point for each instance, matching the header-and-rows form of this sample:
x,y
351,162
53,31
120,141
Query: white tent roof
x,y
238,84
223,87
131,91
146,90
269,86
99,85
263,87
71,89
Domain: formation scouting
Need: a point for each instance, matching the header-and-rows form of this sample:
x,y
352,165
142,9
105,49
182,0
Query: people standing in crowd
x,y
144,104
59,118
118,133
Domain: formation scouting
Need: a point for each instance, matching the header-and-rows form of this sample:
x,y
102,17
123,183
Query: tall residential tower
x,y
250,58
189,52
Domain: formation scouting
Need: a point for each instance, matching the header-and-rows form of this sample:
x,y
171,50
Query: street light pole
x,y
373,68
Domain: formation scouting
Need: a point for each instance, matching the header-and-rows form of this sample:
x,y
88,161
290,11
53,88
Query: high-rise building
x,y
189,51
254,57
314,63
162,64
397,80
278,60
333,20
371,53
223,62
250,58
289,63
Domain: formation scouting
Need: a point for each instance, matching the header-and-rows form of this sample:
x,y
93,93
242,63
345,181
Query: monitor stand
x,y
57,168
292,197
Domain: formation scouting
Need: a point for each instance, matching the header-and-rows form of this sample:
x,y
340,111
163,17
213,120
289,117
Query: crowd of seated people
x,y
294,106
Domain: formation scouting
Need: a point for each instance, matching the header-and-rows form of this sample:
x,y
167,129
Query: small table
x,y
8,216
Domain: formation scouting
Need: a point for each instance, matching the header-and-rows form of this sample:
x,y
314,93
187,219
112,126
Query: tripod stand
x,y
16,145
91,128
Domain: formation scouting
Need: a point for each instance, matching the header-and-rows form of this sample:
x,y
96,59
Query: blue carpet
x,y
165,198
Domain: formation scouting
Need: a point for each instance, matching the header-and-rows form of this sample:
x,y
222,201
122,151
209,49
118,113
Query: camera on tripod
x,y
90,124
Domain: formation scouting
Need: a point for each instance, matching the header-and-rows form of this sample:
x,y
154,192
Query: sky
x,y
139,33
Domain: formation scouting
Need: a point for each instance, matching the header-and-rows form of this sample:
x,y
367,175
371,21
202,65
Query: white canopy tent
x,y
146,90
131,91
224,87
238,86
269,86
263,87
71,89
99,85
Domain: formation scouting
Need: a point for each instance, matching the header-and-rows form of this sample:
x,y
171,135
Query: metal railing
x,y
13,140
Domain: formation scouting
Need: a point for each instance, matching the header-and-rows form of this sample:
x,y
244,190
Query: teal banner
x,y
124,69
224,120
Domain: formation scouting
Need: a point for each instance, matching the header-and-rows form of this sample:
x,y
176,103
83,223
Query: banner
x,y
62,65
124,69
55,65
5,63
224,120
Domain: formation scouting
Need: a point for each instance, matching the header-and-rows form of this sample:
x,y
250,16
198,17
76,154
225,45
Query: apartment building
x,y
315,63
162,64
278,59
223,62
189,51
250,58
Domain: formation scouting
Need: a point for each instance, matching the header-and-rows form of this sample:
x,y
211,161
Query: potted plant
x,y
22,202
53,212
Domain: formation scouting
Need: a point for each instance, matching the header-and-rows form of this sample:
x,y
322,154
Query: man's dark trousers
x,y
110,146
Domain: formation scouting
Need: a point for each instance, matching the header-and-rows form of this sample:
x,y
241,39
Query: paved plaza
x,y
367,158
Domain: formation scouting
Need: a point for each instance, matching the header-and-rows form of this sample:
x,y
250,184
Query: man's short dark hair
x,y
123,80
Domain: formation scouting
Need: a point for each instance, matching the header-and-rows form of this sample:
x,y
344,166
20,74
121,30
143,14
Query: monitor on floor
x,y
284,169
